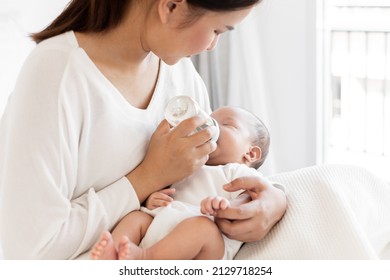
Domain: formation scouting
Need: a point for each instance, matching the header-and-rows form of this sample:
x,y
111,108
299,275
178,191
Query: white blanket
x,y
334,212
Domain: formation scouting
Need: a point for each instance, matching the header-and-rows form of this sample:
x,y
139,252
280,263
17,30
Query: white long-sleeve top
x,y
67,139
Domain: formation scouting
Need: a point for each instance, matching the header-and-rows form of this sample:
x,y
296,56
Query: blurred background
x,y
316,71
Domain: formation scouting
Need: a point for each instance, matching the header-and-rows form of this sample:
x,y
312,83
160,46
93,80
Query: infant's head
x,y
243,138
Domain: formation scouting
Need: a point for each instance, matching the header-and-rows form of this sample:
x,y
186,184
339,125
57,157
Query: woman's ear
x,y
254,154
168,8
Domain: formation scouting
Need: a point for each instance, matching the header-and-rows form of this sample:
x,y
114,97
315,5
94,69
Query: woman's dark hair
x,y
101,15
222,6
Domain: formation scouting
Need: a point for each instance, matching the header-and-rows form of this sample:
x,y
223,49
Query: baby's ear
x,y
254,154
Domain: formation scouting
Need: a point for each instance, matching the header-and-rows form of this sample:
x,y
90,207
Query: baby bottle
x,y
183,107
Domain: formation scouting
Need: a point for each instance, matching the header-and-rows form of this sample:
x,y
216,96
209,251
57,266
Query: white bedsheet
x,y
334,212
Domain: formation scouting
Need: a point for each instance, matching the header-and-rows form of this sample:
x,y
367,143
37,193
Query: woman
x,y
83,137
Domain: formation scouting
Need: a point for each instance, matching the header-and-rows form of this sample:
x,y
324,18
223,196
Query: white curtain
x,y
267,65
234,74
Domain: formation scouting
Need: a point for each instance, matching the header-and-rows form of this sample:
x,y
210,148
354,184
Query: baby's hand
x,y
212,203
159,199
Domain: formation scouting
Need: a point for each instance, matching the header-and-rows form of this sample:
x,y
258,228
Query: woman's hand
x,y
159,199
251,221
173,154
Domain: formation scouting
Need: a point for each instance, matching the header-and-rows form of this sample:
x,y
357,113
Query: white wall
x,y
267,65
18,18
287,30
287,33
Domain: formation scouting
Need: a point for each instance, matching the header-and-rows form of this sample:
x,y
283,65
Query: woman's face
x,y
176,41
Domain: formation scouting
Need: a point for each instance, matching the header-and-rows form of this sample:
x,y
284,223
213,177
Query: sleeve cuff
x,y
119,200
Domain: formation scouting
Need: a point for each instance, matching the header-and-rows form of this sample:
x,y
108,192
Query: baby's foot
x,y
127,250
104,249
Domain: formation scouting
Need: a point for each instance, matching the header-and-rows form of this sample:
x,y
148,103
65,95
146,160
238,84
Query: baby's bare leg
x,y
133,227
193,238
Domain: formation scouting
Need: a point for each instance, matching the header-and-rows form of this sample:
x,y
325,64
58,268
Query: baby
x,y
177,223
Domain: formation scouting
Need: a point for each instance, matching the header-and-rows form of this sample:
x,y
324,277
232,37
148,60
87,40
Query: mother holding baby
x,y
83,141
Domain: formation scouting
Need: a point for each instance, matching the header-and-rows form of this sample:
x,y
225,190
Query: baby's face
x,y
234,138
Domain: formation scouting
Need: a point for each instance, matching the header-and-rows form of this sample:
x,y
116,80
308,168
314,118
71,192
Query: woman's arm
x,y
253,220
56,195
172,155
42,215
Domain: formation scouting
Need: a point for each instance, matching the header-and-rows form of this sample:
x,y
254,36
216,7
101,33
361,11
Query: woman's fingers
x,y
188,126
254,185
238,229
252,220
173,154
162,129
241,212
247,222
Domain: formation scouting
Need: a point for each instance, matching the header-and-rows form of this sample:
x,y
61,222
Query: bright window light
x,y
356,70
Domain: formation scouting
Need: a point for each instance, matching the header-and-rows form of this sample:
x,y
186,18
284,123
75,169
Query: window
x,y
356,76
